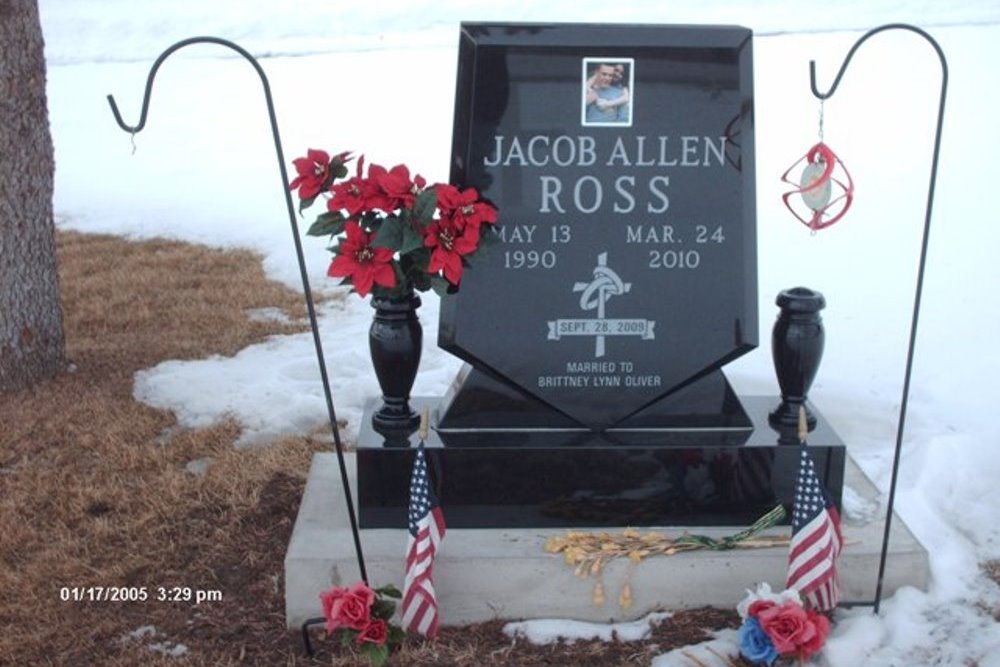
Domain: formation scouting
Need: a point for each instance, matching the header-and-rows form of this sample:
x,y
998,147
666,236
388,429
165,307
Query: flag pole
x,y
424,424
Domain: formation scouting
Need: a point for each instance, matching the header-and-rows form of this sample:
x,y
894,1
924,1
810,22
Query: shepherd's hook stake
x,y
331,413
920,271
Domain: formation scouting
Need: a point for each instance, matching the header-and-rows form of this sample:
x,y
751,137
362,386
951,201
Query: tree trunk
x,y
31,337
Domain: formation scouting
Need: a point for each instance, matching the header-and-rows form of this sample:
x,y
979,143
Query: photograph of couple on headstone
x,y
607,91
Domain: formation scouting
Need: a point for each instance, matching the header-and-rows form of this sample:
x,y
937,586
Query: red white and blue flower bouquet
x,y
777,626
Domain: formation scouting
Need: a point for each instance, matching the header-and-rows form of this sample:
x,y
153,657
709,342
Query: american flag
x,y
426,524
816,540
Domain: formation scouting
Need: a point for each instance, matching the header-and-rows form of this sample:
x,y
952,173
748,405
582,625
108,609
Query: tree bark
x,y
31,336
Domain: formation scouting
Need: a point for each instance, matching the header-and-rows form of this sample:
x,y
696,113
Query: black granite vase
x,y
797,348
395,340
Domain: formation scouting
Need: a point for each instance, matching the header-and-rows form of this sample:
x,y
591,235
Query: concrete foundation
x,y
481,574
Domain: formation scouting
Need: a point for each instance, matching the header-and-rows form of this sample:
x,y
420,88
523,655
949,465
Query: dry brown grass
x,y
94,491
91,494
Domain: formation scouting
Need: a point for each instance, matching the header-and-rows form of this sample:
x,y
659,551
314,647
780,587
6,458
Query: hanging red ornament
x,y
825,187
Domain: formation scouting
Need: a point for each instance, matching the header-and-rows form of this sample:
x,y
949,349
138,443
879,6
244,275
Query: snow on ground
x,y
555,631
379,77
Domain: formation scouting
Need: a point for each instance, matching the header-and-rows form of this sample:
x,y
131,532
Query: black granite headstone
x,y
621,161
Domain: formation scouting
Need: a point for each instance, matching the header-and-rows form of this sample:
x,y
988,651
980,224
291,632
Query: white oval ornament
x,y
815,198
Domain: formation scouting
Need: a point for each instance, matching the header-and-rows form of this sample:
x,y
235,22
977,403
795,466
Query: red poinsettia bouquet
x,y
394,233
360,615
777,625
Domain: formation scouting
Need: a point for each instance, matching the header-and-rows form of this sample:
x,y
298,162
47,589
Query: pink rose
x,y
822,625
375,632
788,626
347,607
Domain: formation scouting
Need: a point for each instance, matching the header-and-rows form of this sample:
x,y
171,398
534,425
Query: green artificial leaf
x,y
420,280
383,609
412,240
390,233
337,169
389,591
396,635
418,260
415,262
441,286
425,206
306,203
348,637
328,224
370,221
377,655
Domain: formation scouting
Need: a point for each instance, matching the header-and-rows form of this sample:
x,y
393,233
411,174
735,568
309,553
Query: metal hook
x,y
159,61
920,271
850,54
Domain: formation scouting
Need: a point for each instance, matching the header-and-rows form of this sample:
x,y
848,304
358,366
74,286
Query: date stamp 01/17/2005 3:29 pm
x,y
170,594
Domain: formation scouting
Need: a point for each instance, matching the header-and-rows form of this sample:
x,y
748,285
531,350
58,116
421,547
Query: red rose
x,y
375,632
822,625
788,626
327,598
347,607
759,606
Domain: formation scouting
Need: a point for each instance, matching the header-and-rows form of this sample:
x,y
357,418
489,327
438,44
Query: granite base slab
x,y
481,574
